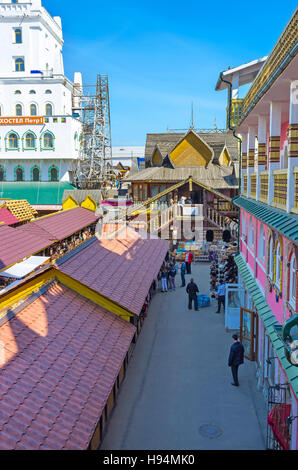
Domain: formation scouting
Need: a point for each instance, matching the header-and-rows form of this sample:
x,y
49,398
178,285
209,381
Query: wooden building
x,y
197,168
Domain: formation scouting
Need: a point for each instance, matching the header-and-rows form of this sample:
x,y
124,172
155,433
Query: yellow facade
x,y
89,203
69,203
225,158
191,151
156,158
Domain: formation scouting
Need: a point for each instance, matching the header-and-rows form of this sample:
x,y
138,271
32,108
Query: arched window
x,y
278,261
19,174
18,35
33,110
261,241
30,140
270,256
19,110
35,174
19,65
13,141
2,173
32,92
53,173
49,109
48,140
251,232
243,225
18,92
48,92
293,281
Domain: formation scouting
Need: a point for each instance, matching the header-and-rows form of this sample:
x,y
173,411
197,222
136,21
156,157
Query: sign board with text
x,y
21,120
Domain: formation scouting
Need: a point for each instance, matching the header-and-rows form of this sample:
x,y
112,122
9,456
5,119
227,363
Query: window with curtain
x,y
13,140
30,140
48,140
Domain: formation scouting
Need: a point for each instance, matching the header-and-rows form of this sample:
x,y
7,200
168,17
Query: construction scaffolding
x,y
94,167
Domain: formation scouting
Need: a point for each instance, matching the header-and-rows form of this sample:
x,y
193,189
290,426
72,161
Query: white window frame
x,y
293,281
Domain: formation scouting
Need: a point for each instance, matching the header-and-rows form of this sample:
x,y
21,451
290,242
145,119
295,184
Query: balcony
x,y
280,188
272,67
236,113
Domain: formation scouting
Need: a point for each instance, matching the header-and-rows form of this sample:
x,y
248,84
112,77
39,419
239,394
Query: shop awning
x,y
25,267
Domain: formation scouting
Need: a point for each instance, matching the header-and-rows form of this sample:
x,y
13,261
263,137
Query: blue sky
x,y
162,56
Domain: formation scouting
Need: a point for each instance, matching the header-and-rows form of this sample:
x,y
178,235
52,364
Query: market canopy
x,y
25,267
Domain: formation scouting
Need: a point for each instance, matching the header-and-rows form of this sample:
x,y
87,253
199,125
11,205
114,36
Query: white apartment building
x,y
40,129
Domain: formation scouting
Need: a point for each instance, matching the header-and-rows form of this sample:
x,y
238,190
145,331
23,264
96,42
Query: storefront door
x,y
232,307
249,333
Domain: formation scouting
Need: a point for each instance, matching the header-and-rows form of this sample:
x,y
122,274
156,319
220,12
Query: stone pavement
x,y
177,393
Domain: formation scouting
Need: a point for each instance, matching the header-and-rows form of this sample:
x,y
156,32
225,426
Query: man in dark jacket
x,y
236,358
192,290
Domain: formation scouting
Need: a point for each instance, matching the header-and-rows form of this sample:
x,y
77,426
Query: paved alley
x,y
177,393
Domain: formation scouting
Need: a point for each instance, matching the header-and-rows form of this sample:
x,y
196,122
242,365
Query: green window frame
x,y
47,141
33,173
29,141
2,173
12,141
19,170
53,170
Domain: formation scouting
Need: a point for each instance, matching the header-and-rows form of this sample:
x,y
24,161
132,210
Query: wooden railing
x,y
264,186
296,188
253,185
282,47
245,184
280,187
236,113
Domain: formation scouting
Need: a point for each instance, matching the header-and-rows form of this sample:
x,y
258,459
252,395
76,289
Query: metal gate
x,y
278,399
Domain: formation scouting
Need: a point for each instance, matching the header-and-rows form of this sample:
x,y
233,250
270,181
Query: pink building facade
x,y
266,123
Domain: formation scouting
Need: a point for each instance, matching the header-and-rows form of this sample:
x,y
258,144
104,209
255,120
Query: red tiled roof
x,y
62,354
7,217
16,245
122,269
62,224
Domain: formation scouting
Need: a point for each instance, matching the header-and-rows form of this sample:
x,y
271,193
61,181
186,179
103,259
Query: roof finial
x,y
191,125
215,125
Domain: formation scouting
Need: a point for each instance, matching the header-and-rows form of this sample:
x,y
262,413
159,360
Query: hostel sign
x,y
21,120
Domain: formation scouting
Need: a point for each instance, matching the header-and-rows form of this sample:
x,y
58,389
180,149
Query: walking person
x,y
221,296
236,357
192,290
182,272
164,279
188,261
172,274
